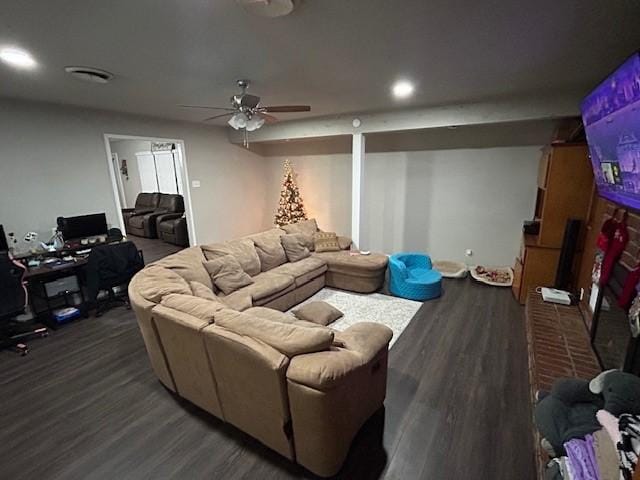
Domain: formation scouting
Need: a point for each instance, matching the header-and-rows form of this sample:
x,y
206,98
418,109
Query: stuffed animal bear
x,y
569,411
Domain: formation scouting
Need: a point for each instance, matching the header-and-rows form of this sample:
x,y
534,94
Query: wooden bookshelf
x,y
565,187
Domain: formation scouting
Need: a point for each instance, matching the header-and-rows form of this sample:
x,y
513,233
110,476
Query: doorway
x,y
150,174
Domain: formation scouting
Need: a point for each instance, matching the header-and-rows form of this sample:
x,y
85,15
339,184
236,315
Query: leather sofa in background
x,y
300,388
145,203
144,224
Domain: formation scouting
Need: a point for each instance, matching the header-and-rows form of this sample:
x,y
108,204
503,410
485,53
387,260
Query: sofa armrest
x,y
142,211
325,370
168,216
128,210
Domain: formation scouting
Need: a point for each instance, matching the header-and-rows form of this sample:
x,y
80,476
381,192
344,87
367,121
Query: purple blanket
x,y
582,458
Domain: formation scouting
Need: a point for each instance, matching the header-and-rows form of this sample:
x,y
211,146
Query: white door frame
x,y
116,168
184,179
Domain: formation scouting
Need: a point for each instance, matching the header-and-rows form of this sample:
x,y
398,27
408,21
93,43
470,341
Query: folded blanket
x,y
581,459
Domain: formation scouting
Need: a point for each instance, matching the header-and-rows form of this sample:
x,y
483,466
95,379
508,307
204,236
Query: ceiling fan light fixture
x,y
238,121
254,123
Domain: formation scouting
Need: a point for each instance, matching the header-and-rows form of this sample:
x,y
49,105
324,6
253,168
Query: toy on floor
x,y
569,410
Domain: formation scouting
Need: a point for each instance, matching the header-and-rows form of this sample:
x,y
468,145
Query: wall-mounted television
x,y
611,117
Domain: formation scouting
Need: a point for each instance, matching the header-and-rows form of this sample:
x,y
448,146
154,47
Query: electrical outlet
x,y
195,183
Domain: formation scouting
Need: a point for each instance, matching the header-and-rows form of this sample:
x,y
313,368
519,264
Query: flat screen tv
x,y
611,117
84,226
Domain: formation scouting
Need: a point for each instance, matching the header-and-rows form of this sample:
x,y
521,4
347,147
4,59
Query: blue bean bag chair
x,y
412,276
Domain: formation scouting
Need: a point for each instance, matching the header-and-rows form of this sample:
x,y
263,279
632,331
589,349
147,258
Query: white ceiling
x,y
336,55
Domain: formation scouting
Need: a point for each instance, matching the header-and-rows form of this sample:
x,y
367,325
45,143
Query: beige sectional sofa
x,y
300,388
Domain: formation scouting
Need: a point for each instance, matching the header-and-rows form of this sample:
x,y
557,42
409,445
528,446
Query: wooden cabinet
x,y
565,188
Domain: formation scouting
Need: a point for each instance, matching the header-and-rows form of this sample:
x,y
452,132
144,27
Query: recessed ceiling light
x,y
402,89
17,58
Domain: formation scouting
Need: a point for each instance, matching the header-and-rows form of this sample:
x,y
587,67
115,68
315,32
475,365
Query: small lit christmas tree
x,y
290,209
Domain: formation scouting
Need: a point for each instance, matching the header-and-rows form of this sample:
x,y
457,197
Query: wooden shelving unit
x,y
565,186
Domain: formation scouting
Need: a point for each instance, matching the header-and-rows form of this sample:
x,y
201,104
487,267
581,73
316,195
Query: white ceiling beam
x,y
480,113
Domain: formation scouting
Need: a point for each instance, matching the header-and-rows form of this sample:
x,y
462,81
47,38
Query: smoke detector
x,y
268,8
88,74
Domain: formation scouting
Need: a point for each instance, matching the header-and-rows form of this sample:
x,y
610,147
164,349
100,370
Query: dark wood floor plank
x,y
85,404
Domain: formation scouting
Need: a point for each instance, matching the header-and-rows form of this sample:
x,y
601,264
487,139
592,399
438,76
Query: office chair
x,y
13,299
108,267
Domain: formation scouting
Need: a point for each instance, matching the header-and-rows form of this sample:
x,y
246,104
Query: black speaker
x,y
569,245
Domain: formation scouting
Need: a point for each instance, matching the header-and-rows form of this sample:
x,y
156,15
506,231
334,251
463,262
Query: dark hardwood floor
x,y
84,404
153,248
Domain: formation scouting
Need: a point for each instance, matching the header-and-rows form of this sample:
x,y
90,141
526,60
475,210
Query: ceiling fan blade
x,y
268,118
208,108
218,116
286,108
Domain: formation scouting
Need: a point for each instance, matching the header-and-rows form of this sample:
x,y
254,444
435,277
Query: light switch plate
x,y
195,183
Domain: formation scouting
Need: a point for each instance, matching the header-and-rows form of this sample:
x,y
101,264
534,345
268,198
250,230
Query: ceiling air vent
x,y
89,74
269,8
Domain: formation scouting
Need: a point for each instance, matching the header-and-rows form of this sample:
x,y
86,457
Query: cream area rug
x,y
395,313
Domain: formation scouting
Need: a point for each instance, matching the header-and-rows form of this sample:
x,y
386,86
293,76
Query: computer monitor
x,y
83,226
4,245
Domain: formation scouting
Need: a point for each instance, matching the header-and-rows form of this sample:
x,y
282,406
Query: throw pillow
x,y
344,242
326,242
295,246
202,291
306,228
270,252
318,312
227,274
243,250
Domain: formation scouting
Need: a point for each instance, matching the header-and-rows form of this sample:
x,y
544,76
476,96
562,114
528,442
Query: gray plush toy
x,y
569,411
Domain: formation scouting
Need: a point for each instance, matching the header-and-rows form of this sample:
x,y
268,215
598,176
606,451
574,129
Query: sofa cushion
x,y
295,246
304,270
239,300
243,250
269,249
202,291
281,317
326,242
155,282
344,242
198,307
136,221
290,340
305,226
354,265
188,264
269,284
318,312
227,274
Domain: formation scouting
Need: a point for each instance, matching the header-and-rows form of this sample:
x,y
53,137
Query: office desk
x,y
37,279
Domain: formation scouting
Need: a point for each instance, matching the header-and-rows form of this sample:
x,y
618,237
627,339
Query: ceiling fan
x,y
247,113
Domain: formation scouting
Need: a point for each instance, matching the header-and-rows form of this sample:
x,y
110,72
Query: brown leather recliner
x,y
144,225
145,203
172,228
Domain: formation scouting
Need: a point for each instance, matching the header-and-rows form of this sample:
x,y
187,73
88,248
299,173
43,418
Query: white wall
x,y
53,162
325,185
126,150
445,201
